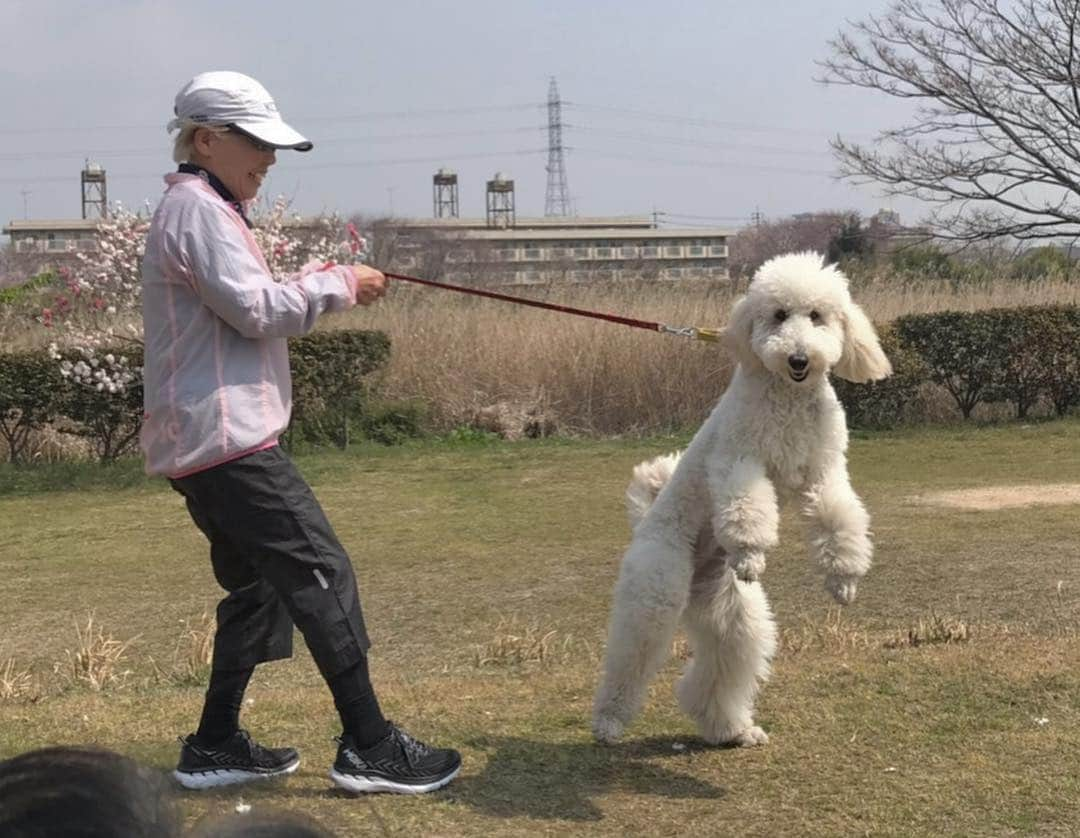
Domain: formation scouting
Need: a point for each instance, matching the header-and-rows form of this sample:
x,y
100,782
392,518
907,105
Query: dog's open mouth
x,y
800,375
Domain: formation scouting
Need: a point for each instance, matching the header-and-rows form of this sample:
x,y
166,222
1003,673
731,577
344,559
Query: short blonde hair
x,y
184,144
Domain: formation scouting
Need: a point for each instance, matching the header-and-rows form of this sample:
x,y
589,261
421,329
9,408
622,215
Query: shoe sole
x,y
198,780
375,785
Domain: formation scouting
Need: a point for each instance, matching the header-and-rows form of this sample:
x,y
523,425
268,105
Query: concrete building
x,y
58,237
540,250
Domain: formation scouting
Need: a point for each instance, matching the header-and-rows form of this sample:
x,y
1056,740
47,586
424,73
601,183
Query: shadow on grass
x,y
557,781
524,778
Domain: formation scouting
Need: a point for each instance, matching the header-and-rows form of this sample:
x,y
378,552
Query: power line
x,y
359,140
302,167
704,164
682,120
703,217
699,226
691,143
371,115
360,164
695,121
428,135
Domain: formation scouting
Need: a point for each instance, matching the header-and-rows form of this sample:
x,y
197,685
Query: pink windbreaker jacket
x,y
216,366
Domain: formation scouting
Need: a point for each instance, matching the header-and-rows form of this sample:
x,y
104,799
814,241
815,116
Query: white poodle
x,y
703,521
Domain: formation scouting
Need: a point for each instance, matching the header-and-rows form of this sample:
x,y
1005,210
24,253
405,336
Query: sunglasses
x,y
258,144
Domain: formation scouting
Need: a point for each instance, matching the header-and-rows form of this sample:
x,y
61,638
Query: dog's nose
x,y
798,362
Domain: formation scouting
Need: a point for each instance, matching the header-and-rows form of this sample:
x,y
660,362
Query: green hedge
x,y
330,394
1015,355
28,385
329,381
896,400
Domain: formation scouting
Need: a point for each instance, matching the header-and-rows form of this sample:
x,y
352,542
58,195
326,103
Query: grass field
x,y
486,572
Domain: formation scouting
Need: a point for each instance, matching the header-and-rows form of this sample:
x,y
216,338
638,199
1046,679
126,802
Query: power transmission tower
x,y
557,202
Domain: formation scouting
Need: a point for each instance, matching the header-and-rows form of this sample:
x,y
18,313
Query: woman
x,y
217,397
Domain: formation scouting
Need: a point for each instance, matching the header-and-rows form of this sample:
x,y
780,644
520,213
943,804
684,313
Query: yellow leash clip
x,y
692,332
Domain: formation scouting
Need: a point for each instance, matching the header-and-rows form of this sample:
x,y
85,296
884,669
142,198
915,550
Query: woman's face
x,y
239,161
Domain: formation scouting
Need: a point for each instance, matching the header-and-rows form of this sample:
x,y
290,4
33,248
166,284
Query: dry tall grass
x,y
15,682
461,354
514,643
97,658
194,653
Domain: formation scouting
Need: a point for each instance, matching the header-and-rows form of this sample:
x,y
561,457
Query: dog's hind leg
x,y
732,639
653,585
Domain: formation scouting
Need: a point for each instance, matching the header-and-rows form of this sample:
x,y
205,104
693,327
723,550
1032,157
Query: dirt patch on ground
x,y
1005,497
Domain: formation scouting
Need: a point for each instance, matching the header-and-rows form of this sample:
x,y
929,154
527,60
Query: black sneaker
x,y
398,764
238,759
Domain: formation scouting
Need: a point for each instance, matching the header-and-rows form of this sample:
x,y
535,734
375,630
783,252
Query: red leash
x,y
711,335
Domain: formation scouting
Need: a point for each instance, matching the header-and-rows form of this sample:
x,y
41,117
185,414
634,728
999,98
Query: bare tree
x,y
994,142
753,245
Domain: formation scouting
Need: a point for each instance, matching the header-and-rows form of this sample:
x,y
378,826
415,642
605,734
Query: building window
x,y
696,250
532,253
603,252
650,252
628,252
673,250
718,250
582,252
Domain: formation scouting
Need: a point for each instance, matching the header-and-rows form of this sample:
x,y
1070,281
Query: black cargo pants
x,y
275,553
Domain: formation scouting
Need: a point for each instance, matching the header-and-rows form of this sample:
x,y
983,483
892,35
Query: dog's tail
x,y
649,478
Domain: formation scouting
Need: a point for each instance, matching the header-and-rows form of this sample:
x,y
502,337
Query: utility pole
x,y
757,217
26,193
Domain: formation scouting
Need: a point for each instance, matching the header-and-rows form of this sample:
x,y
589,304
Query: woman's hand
x,y
370,284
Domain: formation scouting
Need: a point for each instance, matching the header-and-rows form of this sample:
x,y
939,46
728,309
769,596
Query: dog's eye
x,y
815,317
780,315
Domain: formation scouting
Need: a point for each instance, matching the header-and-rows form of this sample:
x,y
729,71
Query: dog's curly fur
x,y
703,521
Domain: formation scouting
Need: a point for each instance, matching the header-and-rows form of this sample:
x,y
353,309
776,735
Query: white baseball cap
x,y
223,97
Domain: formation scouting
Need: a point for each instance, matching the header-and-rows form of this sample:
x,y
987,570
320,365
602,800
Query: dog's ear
x,y
739,330
862,359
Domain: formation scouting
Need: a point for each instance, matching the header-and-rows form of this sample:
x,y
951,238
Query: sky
x,y
706,112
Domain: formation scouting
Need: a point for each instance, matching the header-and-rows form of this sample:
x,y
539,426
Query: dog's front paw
x,y
842,587
747,564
